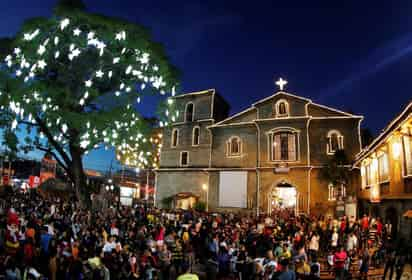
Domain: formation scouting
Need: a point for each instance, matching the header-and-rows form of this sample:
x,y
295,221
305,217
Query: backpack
x,y
314,268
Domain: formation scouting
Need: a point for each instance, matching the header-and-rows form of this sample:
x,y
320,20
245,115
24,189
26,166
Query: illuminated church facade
x,y
269,155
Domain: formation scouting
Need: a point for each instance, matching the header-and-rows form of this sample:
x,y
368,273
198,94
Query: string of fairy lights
x,y
132,69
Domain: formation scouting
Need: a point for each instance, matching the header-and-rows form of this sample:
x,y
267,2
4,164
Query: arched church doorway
x,y
283,196
391,219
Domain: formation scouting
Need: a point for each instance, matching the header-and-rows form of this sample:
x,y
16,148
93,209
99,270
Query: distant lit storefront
x,y
386,175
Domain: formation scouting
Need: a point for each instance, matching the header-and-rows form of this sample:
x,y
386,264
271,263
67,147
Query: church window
x,y
284,146
281,108
234,146
189,112
334,142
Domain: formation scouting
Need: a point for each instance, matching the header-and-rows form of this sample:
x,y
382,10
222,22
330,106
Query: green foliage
x,y
200,206
74,82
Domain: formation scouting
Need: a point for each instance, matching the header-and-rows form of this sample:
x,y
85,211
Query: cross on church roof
x,y
281,83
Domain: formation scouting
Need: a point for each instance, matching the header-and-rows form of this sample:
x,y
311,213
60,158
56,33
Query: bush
x,y
200,206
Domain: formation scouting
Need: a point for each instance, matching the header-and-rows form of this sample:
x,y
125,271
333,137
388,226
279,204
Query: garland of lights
x,y
132,69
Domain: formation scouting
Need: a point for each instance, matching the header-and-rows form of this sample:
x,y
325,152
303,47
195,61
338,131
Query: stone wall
x,y
221,135
296,106
318,132
171,183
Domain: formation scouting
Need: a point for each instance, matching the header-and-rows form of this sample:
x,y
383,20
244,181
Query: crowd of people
x,y
56,239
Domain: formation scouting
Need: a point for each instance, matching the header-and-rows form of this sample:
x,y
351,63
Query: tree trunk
x,y
79,178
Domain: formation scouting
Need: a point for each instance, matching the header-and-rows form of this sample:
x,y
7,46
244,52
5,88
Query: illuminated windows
x,y
281,108
334,142
383,168
407,148
189,112
234,147
284,146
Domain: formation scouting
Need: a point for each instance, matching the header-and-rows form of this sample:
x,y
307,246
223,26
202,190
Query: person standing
x,y
187,275
364,265
314,245
389,263
339,260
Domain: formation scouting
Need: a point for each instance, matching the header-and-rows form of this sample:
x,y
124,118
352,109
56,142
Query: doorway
x,y
391,218
283,196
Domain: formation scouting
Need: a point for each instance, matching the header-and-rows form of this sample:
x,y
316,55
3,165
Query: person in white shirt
x,y
110,245
314,245
334,240
352,242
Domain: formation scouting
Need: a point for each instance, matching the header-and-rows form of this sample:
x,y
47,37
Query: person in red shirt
x,y
343,225
339,260
365,222
379,227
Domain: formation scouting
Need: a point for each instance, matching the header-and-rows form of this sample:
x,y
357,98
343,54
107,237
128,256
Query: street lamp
x,y
206,189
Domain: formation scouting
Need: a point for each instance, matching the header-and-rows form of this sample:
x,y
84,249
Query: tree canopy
x,y
73,83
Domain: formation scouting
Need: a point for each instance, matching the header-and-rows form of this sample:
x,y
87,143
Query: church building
x,y
267,156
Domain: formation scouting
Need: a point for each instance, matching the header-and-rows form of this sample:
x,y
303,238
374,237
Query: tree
x,y
73,83
336,171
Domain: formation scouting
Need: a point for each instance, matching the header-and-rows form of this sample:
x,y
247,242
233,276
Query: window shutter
x,y
276,147
291,146
408,154
341,142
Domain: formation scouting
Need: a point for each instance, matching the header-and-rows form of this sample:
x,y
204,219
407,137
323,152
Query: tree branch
x,y
53,142
48,150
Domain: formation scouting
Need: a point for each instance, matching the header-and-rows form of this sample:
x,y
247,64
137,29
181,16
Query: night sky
x,y
352,55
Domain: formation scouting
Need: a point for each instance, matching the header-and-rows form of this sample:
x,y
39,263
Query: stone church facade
x,y
257,159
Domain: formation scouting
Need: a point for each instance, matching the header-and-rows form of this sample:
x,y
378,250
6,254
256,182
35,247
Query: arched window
x,y
234,146
196,136
284,145
175,138
189,112
281,108
334,142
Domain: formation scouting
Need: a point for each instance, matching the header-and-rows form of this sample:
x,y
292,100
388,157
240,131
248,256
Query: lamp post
x,y
206,189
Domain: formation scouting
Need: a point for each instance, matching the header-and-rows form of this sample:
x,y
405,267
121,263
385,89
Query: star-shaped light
x,y
17,51
56,40
116,60
90,35
56,54
42,64
99,74
88,83
77,32
41,50
121,36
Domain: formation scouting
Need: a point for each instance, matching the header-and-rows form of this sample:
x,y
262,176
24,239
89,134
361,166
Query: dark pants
x,y
389,267
399,271
339,273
